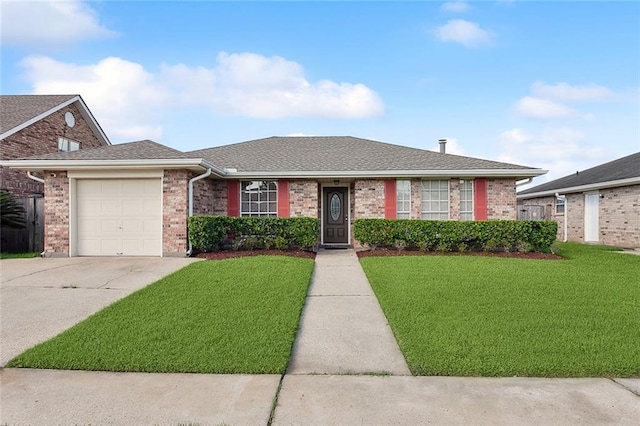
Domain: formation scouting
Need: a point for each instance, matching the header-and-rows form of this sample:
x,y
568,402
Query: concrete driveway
x,y
41,297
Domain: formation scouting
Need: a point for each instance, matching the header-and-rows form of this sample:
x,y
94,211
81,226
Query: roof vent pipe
x,y
443,146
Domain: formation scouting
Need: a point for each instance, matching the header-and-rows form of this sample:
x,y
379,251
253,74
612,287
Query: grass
x,y
18,255
230,316
480,316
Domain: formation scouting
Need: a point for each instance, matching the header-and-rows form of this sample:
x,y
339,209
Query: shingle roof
x,y
623,168
140,150
336,153
18,109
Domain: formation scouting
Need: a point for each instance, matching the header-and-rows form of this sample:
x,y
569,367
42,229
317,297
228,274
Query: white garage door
x,y
119,217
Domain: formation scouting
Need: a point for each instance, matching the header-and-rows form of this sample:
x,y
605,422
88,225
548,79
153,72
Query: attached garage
x,y
117,216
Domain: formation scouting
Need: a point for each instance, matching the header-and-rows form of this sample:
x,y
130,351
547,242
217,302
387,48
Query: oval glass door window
x,y
335,207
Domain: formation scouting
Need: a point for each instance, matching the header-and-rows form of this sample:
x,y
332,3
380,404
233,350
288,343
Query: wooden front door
x,y
336,216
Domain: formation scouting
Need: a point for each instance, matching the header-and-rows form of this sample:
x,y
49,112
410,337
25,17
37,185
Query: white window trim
x,y
422,212
258,214
408,212
68,142
560,202
473,199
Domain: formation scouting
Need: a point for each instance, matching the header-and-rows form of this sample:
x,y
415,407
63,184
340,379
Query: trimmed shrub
x,y
436,235
210,233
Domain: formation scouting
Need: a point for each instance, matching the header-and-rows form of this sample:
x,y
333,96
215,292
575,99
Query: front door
x,y
591,217
335,216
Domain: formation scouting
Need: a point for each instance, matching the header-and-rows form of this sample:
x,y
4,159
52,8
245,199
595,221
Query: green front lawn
x,y
231,316
18,255
481,316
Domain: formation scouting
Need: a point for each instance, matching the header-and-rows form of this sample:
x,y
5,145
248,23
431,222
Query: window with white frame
x,y
466,199
403,199
560,205
258,198
435,199
66,145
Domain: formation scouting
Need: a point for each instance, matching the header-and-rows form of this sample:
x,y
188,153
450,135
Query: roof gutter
x,y
320,174
36,178
181,163
191,181
582,188
525,182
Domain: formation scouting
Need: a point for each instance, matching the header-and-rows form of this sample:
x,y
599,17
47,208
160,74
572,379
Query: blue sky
x,y
554,85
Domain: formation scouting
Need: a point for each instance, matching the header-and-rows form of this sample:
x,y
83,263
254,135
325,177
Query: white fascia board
x,y
38,117
84,110
581,188
516,173
182,163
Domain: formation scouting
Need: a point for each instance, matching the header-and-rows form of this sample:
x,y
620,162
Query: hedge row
x,y
209,233
433,235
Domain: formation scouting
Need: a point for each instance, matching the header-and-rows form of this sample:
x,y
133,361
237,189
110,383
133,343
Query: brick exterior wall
x,y
618,211
303,198
454,199
56,214
174,212
501,199
620,216
203,196
219,198
41,138
368,199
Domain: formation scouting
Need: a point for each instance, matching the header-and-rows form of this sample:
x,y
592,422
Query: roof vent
x,y
443,146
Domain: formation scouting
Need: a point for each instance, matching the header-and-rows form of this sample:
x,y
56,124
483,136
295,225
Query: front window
x,y
560,205
66,145
258,198
403,199
466,199
435,199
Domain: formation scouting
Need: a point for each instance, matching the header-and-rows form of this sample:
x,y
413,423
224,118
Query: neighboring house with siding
x,y
41,124
135,198
598,205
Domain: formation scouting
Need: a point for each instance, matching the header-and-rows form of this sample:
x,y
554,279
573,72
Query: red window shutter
x,y
233,198
283,198
389,199
480,202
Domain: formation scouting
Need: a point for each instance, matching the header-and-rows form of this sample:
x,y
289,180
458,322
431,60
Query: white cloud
x,y
529,106
452,147
50,23
562,151
567,93
121,94
127,99
252,85
455,6
464,32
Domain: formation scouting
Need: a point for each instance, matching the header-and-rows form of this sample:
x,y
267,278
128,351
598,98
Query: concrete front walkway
x,y
343,329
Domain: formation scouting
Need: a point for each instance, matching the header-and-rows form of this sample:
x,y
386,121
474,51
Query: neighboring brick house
x,y
135,198
41,124
598,205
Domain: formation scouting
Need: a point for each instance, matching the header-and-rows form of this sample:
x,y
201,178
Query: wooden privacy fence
x,y
31,237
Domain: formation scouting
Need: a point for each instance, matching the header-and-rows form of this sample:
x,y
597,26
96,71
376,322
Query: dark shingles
x,y
140,150
336,153
18,109
622,168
